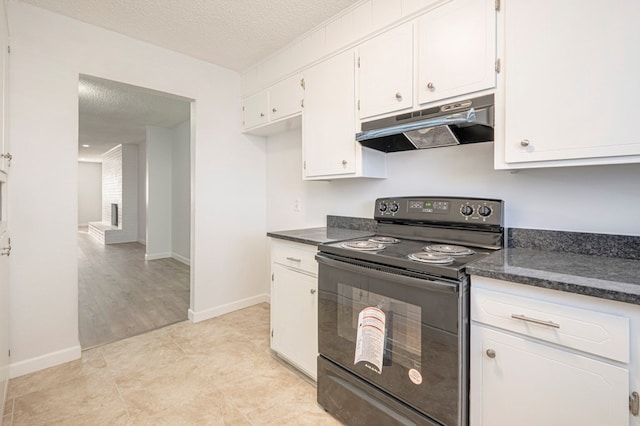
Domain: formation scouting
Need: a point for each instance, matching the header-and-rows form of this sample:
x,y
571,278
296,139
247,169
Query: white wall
x,y
159,192
89,192
142,192
599,199
48,52
181,192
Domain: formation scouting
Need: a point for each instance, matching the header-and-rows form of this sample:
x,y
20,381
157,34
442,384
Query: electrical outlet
x,y
296,205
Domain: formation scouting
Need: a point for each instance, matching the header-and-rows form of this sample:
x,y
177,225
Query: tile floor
x,y
216,372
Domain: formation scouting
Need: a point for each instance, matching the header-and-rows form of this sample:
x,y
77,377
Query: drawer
x,y
296,256
593,332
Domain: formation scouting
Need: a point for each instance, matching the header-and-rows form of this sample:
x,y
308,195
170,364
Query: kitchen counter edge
x,y
315,236
589,275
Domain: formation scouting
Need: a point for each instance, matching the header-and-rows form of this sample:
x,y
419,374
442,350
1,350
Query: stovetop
x,y
422,221
396,255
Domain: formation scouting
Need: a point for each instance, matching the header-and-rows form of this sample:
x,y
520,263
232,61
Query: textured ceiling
x,y
112,113
231,33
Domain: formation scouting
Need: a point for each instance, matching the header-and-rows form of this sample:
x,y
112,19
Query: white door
x,y
285,98
571,70
255,110
385,72
4,291
525,383
4,232
295,312
457,52
329,122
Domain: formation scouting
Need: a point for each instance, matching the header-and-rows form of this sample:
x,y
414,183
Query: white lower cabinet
x,y
541,360
527,383
294,304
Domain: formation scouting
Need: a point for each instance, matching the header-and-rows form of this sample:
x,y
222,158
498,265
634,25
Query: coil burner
x,y
384,240
362,245
448,250
427,257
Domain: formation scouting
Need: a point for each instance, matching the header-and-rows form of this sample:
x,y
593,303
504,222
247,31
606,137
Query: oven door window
x,y
401,337
384,329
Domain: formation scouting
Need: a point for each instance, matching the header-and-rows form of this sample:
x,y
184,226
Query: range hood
x,y
461,122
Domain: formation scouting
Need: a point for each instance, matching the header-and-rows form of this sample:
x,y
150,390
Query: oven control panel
x,y
440,209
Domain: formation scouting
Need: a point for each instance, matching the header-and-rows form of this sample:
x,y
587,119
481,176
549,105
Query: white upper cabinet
x,y
4,98
285,98
264,112
385,72
569,93
329,147
456,50
255,110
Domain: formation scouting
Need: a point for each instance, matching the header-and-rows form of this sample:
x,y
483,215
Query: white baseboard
x,y
156,256
143,242
181,259
229,307
41,362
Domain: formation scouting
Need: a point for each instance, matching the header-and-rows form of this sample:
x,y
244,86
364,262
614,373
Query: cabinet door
x,y
4,290
295,317
255,110
516,381
4,96
570,82
456,49
328,129
285,98
385,72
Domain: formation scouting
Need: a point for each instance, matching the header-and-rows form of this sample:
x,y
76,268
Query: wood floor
x,y
120,295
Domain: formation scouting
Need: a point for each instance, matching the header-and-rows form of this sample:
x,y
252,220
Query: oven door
x,y
397,332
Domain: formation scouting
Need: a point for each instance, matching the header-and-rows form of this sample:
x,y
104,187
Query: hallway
x,y
120,295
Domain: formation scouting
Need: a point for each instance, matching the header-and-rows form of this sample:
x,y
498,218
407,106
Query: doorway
x,y
134,210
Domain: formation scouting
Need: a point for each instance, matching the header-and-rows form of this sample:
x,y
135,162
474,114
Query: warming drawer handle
x,y
535,320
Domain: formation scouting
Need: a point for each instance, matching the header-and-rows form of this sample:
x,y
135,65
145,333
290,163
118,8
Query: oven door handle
x,y
423,283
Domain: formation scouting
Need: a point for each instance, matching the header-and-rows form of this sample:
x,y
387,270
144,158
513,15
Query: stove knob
x,y
382,207
394,207
484,211
466,210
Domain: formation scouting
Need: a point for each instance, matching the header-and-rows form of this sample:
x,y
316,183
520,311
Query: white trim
x,y
156,256
143,242
229,307
181,259
45,361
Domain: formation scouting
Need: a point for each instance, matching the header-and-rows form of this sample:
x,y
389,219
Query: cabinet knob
x,y
524,142
262,114
399,96
312,291
274,110
430,86
344,162
491,353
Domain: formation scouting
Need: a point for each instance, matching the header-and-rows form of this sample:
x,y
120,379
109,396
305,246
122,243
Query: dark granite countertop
x,y
315,236
605,277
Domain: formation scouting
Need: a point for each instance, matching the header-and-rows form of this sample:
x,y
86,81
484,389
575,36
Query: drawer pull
x,y
535,321
293,259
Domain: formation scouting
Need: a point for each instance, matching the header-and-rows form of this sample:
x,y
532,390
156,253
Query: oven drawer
x,y
574,327
295,255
